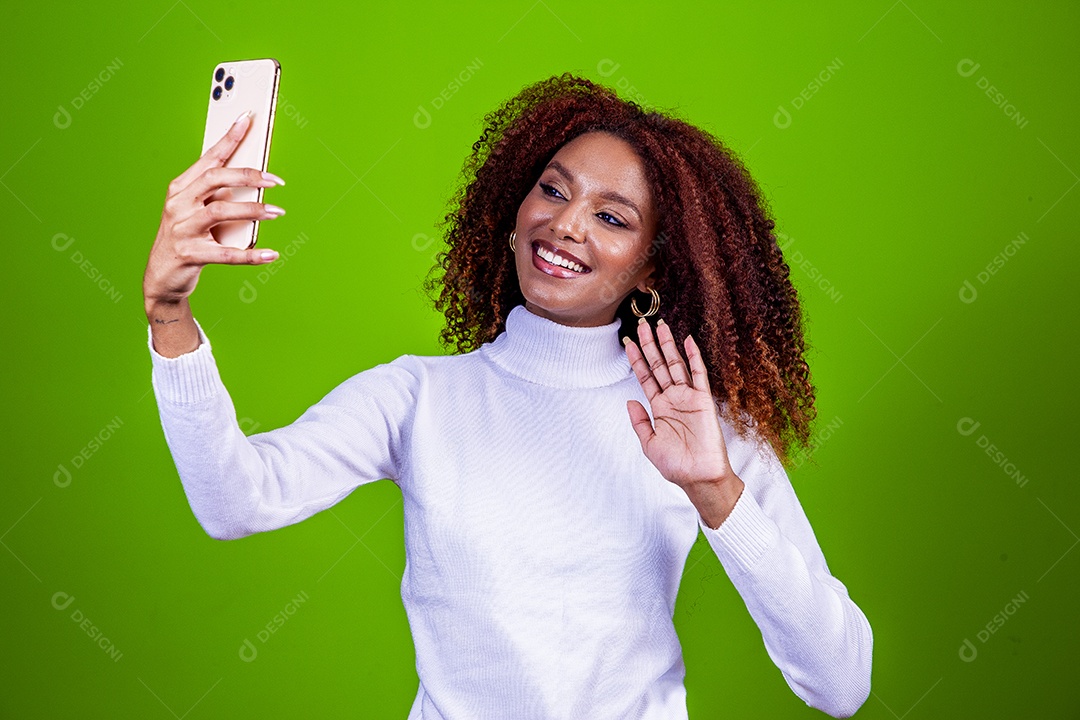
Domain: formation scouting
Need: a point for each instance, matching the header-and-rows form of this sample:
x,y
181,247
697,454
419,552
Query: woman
x,y
553,479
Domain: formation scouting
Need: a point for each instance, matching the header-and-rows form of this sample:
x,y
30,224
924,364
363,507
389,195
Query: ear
x,y
649,280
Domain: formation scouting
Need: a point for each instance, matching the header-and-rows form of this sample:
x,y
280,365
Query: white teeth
x,y
559,260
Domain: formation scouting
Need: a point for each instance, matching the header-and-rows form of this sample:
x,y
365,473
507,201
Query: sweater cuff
x,y
745,535
188,378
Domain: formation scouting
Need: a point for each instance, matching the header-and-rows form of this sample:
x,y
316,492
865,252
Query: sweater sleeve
x,y
815,634
239,485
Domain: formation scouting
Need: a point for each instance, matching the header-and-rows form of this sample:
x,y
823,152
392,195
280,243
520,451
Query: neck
x,y
543,351
572,321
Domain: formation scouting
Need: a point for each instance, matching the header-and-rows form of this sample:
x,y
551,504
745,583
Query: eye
x,y
552,192
545,188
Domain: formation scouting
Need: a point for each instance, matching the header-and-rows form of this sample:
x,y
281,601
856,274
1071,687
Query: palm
x,y
684,440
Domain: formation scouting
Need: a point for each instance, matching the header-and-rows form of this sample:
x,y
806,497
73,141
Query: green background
x,y
894,183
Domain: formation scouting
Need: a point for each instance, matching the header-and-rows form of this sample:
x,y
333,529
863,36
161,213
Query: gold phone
x,y
237,86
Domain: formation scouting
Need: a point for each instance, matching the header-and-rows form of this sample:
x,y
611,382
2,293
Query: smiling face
x,y
591,210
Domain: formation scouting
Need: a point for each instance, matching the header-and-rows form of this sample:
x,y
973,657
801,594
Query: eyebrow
x,y
606,194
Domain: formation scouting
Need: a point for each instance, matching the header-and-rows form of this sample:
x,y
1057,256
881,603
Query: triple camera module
x,y
219,76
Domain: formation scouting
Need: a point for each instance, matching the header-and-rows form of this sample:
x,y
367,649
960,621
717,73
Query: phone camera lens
x,y
229,82
219,74
217,93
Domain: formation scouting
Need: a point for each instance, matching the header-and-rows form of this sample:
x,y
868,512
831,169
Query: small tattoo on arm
x,y
159,321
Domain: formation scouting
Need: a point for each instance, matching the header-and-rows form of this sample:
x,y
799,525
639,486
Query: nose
x,y
569,222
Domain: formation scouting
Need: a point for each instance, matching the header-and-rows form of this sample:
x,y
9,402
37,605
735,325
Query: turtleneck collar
x,y
549,353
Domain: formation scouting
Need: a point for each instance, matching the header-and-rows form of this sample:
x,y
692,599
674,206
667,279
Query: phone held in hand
x,y
237,86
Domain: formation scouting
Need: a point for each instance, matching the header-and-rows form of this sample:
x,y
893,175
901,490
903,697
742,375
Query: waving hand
x,y
684,440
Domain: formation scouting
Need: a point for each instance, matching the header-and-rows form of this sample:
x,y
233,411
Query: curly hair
x,y
720,272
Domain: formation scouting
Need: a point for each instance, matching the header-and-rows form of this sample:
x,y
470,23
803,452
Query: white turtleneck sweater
x,y
543,550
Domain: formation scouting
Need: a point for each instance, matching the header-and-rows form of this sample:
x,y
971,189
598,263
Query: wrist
x,y
715,499
152,304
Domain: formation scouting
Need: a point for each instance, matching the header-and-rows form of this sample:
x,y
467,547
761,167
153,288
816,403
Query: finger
x,y
218,154
641,369
675,364
193,198
215,178
201,252
639,419
652,354
697,364
221,211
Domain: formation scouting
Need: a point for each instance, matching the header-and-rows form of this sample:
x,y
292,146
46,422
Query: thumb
x,y
639,418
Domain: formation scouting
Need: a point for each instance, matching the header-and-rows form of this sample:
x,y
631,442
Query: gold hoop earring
x,y
654,305
512,236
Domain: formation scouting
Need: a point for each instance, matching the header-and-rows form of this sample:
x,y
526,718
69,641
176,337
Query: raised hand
x,y
684,441
185,244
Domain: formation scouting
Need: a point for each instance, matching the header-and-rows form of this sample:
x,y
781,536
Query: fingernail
x,y
272,178
640,320
268,254
660,321
625,340
243,115
274,209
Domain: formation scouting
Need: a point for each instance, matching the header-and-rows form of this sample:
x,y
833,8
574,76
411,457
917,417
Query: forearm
x,y
220,472
223,475
238,485
817,636
172,326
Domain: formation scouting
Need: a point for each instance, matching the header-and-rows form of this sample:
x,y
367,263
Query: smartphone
x,y
237,86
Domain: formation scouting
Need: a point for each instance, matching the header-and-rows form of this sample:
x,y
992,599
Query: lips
x,y
561,253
